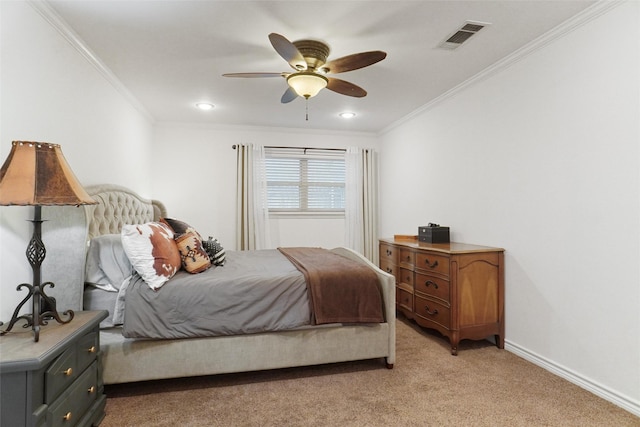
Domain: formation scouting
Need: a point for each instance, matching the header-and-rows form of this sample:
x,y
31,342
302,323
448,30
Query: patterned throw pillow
x,y
152,252
179,227
215,251
194,258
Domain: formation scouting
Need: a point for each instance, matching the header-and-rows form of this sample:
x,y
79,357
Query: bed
x,y
127,359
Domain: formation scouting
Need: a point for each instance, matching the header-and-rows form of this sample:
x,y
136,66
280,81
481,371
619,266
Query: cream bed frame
x,y
128,360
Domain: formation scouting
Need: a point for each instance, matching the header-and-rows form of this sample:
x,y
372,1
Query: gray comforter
x,y
254,291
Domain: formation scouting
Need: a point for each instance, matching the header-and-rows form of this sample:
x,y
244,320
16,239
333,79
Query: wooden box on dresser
x,y
56,381
454,288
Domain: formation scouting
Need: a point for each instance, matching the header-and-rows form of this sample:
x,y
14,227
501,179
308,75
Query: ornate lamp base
x,y
36,253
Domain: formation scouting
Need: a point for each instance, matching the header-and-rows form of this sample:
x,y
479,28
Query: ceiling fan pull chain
x,y
306,108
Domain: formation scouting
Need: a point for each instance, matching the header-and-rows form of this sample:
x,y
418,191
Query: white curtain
x,y
252,207
361,204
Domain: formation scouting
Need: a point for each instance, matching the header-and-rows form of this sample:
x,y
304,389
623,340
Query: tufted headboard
x,y
117,206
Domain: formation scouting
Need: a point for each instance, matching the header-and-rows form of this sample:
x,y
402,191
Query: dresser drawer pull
x,y
390,270
389,253
91,389
433,313
408,257
433,265
431,283
67,416
92,349
68,372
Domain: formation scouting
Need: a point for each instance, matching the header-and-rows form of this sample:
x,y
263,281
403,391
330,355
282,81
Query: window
x,y
305,180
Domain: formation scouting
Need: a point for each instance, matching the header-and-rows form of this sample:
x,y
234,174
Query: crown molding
x,y
51,16
590,13
263,129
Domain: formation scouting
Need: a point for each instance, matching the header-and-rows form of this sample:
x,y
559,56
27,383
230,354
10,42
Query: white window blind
x,y
305,180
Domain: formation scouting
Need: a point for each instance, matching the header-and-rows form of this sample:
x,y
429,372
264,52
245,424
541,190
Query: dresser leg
x,y
454,339
499,341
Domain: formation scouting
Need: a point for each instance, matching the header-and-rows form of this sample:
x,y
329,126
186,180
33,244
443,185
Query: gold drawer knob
x,y
68,372
67,416
91,389
92,349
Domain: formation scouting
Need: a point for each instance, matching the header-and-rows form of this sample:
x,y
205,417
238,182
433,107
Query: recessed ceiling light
x,y
205,106
347,115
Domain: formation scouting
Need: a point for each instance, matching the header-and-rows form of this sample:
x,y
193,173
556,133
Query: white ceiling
x,y
171,54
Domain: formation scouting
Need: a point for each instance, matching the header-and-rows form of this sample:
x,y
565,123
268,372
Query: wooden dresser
x,y
454,288
56,381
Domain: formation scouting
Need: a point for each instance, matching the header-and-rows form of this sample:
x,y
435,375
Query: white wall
x,y
542,158
195,173
50,92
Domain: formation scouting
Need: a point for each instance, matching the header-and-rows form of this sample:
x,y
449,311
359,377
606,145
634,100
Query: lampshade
x,y
307,83
37,174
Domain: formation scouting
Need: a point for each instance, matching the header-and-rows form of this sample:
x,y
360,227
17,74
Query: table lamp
x,y
37,174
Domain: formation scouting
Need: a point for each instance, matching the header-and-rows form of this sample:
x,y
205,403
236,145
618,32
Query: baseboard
x,y
599,390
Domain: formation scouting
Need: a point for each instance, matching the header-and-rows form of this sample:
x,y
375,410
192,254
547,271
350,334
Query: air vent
x,y
461,35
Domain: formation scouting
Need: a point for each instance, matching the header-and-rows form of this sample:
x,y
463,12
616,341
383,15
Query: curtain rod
x,y
234,146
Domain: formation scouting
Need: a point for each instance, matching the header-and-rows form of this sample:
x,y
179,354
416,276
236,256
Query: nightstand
x,y
56,381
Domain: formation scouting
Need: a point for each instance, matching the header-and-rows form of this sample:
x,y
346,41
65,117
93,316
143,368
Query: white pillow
x,y
152,252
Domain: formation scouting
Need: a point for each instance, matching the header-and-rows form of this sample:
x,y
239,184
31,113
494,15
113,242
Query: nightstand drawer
x,y
431,262
60,374
87,350
432,311
433,286
72,405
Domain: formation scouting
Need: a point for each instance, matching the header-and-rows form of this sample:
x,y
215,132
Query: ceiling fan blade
x,y
288,96
288,51
254,75
354,62
345,88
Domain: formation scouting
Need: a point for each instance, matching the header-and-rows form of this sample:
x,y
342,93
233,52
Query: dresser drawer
x,y
405,276
407,258
404,299
432,311
433,286
389,253
388,267
431,262
71,406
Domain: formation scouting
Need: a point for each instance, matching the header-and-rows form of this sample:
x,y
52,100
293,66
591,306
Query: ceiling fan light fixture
x,y
307,83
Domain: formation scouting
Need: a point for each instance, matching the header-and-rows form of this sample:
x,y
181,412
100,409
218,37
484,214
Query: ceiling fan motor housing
x,y
314,52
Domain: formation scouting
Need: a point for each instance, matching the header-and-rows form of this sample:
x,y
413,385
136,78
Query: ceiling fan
x,y
308,58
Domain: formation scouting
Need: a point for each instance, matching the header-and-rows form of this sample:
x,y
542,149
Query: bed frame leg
x,y
389,365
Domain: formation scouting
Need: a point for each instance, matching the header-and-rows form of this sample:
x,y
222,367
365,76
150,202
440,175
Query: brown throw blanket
x,y
340,290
